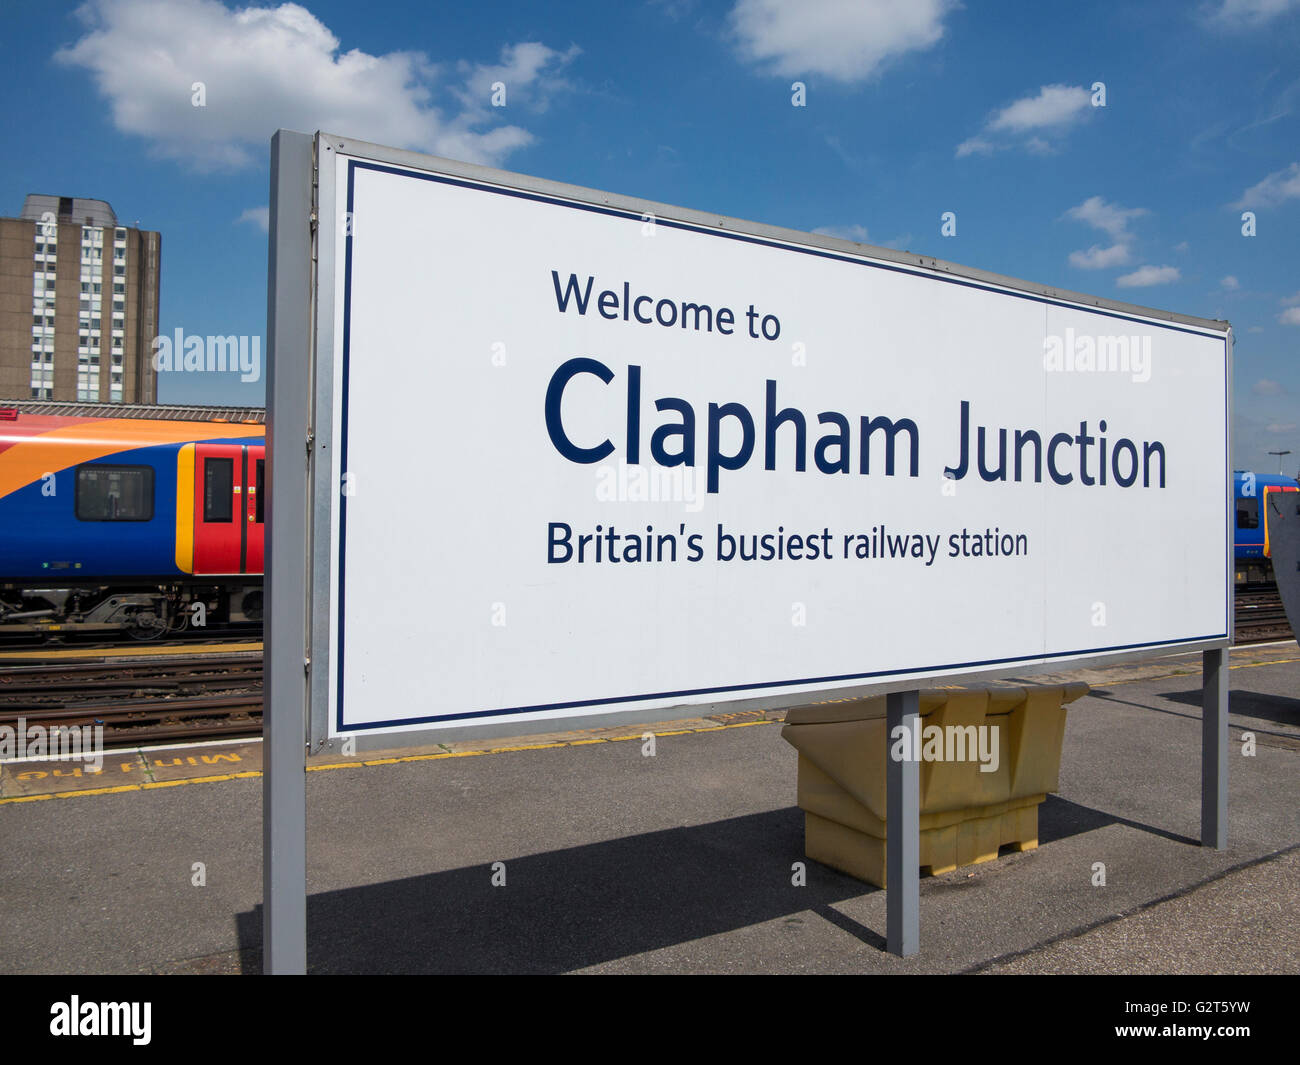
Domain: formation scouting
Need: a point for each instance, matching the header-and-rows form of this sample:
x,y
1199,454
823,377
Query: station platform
x,y
680,862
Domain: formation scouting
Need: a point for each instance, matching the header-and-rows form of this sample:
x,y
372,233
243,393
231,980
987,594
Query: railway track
x,y
184,698
1259,614
208,696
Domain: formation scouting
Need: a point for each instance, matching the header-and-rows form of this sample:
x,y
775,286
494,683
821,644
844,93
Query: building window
x,y
114,493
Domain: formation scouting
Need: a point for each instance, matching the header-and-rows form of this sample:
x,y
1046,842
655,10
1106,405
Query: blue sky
x,y
914,108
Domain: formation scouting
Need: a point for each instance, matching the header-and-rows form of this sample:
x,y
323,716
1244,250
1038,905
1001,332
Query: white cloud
x,y
1055,105
901,242
845,40
1291,301
1290,316
1055,108
975,146
1247,14
1112,220
1099,258
270,67
1230,284
529,72
258,216
1182,246
1277,188
1282,427
1255,329
1109,217
852,232
859,233
1265,387
1149,275
675,9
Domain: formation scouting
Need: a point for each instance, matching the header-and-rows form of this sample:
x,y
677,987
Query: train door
x,y
255,508
220,533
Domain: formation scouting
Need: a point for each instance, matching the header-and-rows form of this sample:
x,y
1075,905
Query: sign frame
x,y
331,208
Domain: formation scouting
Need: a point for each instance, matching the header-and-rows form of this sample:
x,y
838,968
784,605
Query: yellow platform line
x,y
67,654
359,763
119,788
1193,672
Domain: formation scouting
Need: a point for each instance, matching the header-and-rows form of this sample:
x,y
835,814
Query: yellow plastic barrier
x,y
988,757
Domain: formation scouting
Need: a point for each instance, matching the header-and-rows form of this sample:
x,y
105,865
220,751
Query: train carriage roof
x,y
157,412
37,438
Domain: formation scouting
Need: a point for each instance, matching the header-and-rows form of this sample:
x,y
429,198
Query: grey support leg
x,y
284,783
903,830
1214,749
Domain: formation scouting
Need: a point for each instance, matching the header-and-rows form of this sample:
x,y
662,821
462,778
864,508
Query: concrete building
x,y
78,304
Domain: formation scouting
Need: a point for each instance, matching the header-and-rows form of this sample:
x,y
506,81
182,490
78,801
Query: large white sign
x,y
592,458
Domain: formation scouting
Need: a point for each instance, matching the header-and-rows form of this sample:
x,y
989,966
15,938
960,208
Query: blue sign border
x,y
504,713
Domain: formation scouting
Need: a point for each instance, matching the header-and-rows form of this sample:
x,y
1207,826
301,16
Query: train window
x,y
1248,512
114,493
260,504
218,489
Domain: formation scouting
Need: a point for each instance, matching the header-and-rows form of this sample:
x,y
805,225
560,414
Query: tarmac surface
x,y
680,862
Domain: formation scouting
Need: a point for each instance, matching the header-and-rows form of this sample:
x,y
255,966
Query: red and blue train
x,y
147,520
136,520
1252,492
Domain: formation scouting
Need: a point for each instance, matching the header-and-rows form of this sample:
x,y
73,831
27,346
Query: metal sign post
x,y
284,779
1214,682
903,829
1214,749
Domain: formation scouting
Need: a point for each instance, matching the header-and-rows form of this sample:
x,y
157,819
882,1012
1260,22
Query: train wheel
x,y
146,625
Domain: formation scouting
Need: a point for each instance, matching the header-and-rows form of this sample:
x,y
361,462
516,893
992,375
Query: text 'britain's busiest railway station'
x,y
438,564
